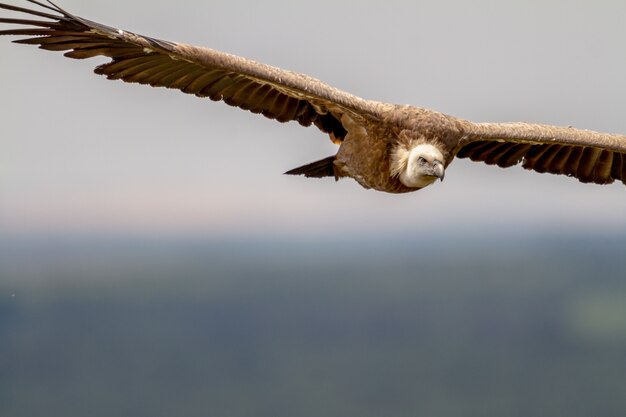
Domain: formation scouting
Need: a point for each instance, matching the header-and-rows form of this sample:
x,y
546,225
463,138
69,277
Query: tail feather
x,y
319,169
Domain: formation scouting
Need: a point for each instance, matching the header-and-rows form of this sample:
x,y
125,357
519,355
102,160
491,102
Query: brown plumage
x,y
382,146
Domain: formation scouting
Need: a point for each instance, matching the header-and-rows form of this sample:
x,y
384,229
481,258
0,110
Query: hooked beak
x,y
439,170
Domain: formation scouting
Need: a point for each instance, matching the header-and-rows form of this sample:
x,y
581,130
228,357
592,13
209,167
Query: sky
x,y
83,155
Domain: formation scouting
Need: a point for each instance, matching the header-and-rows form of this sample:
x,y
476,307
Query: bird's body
x,y
377,154
382,146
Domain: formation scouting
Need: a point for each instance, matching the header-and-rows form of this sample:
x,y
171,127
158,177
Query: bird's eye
x,y
421,160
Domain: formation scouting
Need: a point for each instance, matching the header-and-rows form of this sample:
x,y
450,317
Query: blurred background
x,y
154,261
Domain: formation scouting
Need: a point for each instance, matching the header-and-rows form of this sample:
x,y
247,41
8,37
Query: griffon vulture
x,y
386,147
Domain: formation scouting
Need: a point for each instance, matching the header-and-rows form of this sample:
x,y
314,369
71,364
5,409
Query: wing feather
x,y
278,94
543,165
589,156
616,165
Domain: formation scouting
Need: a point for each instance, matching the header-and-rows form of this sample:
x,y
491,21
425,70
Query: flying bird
x,y
386,147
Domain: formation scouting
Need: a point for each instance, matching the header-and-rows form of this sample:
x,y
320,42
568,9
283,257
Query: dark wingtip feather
x,y
53,7
32,12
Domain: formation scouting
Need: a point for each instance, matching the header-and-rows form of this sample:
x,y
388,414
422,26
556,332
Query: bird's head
x,y
420,166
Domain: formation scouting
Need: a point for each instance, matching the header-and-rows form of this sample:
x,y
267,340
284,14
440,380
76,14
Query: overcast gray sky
x,y
80,154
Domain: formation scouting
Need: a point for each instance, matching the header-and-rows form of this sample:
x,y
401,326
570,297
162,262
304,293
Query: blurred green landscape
x,y
140,327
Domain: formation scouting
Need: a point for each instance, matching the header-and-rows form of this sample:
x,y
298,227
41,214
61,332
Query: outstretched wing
x,y
275,93
589,156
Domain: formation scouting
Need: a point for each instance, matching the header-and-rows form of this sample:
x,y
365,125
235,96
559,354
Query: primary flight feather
x,y
383,146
